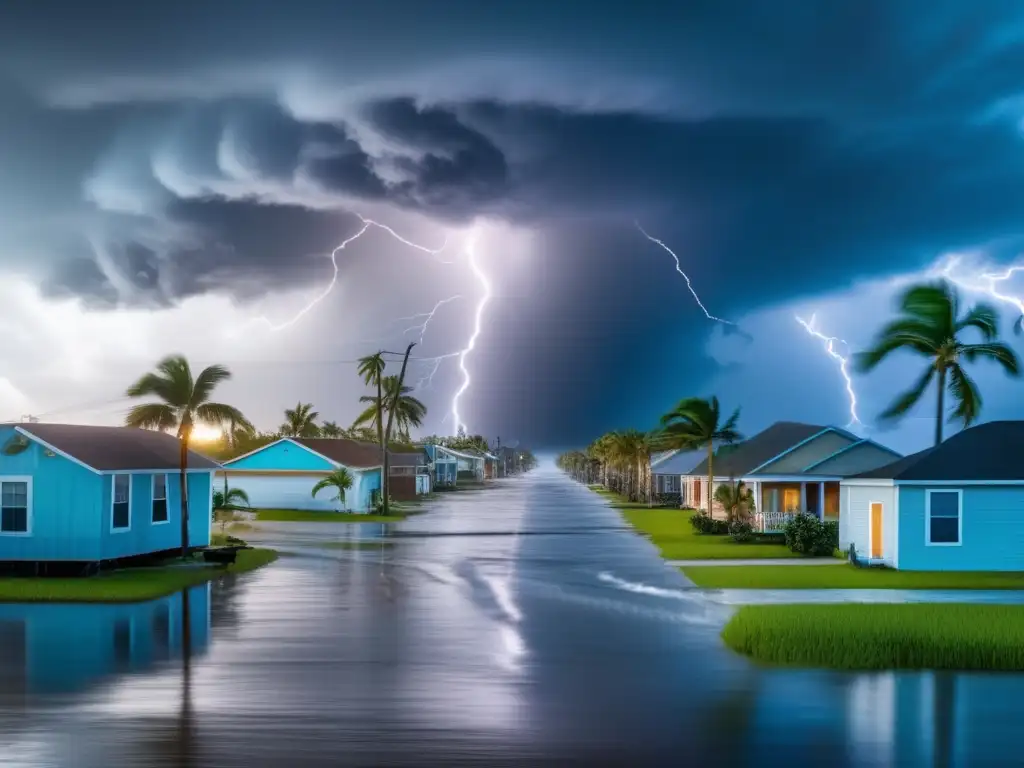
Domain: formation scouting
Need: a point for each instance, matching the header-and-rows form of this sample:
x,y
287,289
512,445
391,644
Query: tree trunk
x,y
711,479
186,433
380,429
940,415
385,480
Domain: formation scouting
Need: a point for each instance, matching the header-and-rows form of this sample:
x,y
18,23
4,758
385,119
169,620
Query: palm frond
x,y
219,414
966,396
159,416
206,382
908,399
997,351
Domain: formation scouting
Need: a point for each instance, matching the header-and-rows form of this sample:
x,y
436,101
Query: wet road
x,y
522,625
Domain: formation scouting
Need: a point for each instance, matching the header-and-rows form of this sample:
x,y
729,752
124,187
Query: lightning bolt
x,y
830,350
679,269
367,223
485,297
987,281
427,380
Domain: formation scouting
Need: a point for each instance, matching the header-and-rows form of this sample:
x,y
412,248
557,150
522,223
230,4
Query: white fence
x,y
772,522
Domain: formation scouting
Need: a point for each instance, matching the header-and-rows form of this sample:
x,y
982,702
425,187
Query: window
x,y
121,503
943,509
791,500
14,505
159,498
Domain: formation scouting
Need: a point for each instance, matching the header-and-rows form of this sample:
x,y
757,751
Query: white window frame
x,y
153,499
113,497
928,518
27,479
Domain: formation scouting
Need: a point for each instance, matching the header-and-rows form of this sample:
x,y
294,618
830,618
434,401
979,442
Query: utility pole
x,y
385,468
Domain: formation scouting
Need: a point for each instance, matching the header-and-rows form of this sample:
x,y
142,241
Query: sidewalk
x,y
763,561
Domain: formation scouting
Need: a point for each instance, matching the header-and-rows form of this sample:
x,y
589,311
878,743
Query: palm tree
x,y
697,423
371,368
300,421
184,402
931,325
331,429
229,499
737,500
409,411
340,479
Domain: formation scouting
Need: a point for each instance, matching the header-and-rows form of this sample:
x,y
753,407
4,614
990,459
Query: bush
x,y
741,532
807,535
703,523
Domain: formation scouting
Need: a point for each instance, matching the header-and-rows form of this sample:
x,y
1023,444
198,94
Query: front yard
x,y
915,636
845,577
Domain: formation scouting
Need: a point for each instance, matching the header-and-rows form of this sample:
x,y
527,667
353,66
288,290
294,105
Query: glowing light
x,y
983,282
485,297
367,223
679,269
830,350
204,433
422,327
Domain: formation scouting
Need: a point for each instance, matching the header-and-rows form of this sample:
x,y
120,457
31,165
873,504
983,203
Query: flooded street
x,y
519,625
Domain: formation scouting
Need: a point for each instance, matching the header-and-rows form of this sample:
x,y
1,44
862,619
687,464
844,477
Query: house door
x,y
876,529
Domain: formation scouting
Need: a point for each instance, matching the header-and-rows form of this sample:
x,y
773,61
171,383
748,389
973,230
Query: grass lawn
x,y
845,577
307,516
129,585
671,532
916,636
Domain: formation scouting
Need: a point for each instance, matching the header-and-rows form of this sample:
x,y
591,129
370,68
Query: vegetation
x,y
340,480
307,516
409,412
737,501
932,325
671,532
184,400
915,636
128,585
845,577
300,421
807,535
226,502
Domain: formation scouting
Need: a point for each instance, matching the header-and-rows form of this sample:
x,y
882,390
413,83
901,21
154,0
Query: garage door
x,y
284,492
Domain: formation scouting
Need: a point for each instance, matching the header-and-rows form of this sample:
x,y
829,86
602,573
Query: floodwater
x,y
522,625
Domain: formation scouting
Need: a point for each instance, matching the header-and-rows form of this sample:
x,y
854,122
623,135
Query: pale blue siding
x,y
54,648
365,483
992,531
71,510
144,535
65,513
283,455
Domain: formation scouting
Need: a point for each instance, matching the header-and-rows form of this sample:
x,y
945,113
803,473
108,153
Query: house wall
x,y
402,487
70,647
143,535
283,455
65,507
808,453
863,458
992,531
366,483
694,482
855,515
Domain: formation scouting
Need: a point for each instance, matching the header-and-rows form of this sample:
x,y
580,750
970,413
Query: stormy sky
x,y
175,176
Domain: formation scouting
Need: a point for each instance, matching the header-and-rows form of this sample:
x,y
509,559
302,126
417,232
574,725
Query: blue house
x,y
282,475
451,465
958,506
88,494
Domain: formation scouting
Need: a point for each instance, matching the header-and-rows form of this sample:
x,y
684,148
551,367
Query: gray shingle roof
x,y
681,463
744,457
989,451
117,448
351,453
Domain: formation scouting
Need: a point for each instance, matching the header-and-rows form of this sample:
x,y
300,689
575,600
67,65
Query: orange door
x,y
876,529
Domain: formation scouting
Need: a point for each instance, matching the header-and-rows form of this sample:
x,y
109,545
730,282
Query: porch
x,y
776,501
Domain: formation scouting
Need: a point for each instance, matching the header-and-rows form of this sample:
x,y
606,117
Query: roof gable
x,y
114,449
761,449
815,448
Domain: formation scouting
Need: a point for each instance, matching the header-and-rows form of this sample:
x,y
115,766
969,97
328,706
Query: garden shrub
x,y
741,532
807,535
703,523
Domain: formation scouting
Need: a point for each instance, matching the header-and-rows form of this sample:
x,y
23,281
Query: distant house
x,y
789,467
668,469
409,475
89,494
450,466
281,475
958,506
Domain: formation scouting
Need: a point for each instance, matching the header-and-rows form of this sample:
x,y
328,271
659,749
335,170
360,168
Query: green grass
x,y
914,636
845,577
129,585
307,516
671,532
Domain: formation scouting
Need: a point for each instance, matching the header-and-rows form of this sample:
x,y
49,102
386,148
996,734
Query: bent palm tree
x,y
340,480
409,411
697,423
300,421
737,500
931,325
184,402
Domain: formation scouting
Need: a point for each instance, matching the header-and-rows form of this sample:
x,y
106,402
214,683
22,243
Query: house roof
x,y
351,453
677,463
766,445
111,449
406,458
986,452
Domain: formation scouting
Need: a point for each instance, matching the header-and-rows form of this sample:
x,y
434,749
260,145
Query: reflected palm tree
x,y
943,719
186,734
